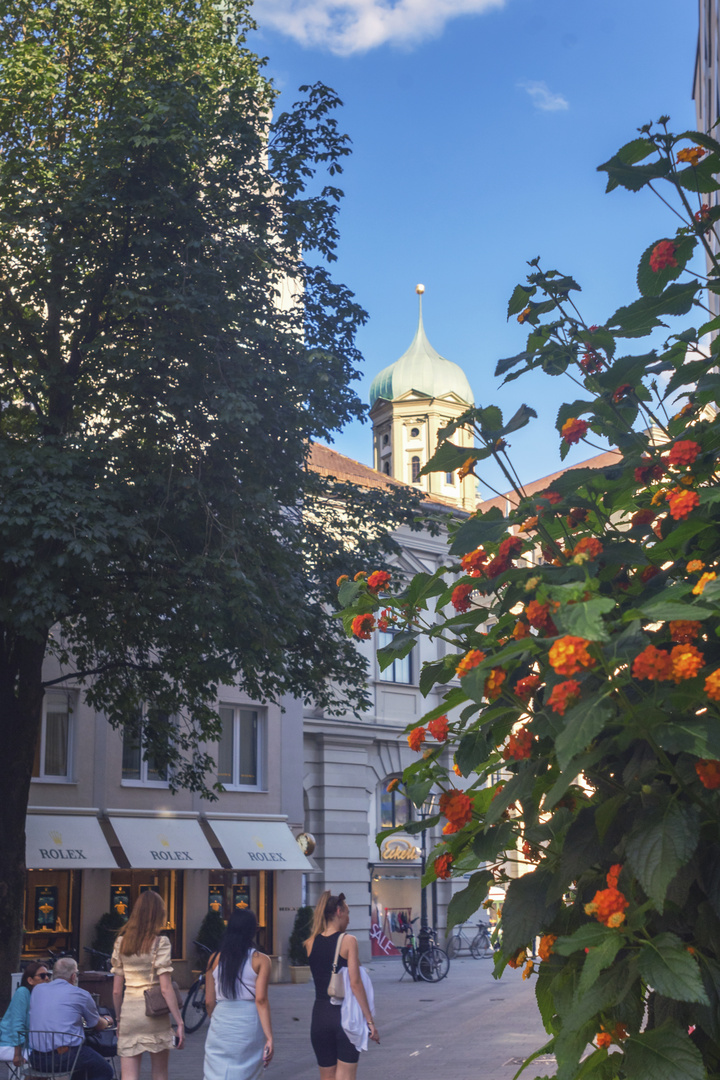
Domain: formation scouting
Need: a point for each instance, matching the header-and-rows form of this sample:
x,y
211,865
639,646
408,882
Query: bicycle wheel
x,y
434,964
194,1012
453,946
481,946
406,953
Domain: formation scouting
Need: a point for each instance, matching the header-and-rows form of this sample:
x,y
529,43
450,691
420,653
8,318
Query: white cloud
x,y
354,26
543,97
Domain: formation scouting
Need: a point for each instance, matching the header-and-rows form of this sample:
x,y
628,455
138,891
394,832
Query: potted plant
x,y
210,933
299,964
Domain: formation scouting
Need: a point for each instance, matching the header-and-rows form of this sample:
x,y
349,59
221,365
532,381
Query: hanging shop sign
x,y
120,900
46,900
216,898
241,897
399,849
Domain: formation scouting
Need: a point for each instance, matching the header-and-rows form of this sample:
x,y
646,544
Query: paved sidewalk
x,y
469,1026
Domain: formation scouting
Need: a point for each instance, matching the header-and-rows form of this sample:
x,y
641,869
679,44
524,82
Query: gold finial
x,y
419,289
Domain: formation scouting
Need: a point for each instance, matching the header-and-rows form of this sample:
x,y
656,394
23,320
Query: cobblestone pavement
x,y
469,1027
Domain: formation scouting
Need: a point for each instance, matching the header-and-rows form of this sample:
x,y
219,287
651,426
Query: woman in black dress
x,y
336,1056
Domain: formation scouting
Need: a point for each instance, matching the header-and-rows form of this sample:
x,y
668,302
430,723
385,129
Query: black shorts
x,y
329,1041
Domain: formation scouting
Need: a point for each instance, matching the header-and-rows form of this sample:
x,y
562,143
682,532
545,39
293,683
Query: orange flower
x,y
683,452
563,695
709,773
648,573
362,626
416,738
524,314
704,580
662,256
457,808
695,566
682,502
652,663
538,615
469,661
603,1039
686,662
460,598
649,471
642,517
466,467
691,154
387,616
712,685
577,517
474,562
684,630
608,906
528,970
360,575
343,577
620,1031
569,655
510,547
621,392
395,782
521,630
456,769
545,947
589,544
529,524
442,865
573,430
525,688
493,683
439,728
613,875
378,580
519,958
551,496
519,745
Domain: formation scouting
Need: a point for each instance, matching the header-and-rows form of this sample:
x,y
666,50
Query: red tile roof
x,y
509,498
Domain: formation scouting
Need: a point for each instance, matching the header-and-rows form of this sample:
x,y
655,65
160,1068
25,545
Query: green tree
x,y
168,351
582,644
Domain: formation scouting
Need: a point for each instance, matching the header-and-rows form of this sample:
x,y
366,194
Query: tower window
x,y
386,468
415,469
385,440
450,479
415,433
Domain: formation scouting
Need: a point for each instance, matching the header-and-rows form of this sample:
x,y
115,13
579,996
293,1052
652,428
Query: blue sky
x,y
477,126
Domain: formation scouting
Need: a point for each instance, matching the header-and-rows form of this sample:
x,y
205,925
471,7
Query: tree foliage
x,y
585,664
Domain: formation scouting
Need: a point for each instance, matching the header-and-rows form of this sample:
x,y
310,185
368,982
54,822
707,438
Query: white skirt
x,y
235,1042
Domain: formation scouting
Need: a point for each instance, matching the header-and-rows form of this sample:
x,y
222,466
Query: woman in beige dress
x,y
141,957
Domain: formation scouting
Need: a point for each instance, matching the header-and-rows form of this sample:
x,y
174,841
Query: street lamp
x,y
427,809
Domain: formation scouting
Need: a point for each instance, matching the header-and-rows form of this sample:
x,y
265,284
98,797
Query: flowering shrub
x,y
603,617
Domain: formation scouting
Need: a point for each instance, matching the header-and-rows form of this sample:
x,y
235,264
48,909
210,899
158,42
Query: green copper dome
x,y
422,369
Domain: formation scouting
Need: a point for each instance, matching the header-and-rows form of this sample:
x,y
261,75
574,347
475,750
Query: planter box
x,y
300,974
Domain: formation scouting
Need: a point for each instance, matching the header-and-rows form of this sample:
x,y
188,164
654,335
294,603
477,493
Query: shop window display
x,y
230,890
52,901
127,885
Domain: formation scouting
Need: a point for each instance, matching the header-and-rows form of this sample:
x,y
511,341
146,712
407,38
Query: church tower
x,y
410,401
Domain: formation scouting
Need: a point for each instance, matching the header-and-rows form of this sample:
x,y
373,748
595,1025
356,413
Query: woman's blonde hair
x,y
145,923
325,909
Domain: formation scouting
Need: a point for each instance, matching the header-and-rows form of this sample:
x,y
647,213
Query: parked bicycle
x,y
431,963
100,961
194,1013
478,945
53,957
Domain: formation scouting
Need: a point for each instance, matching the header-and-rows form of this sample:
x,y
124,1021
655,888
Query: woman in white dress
x,y
240,1039
141,957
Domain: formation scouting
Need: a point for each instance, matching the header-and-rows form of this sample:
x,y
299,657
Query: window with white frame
x,y
395,807
139,766
54,749
400,671
241,748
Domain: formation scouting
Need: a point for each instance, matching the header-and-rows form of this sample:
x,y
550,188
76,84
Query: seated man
x,y
61,1006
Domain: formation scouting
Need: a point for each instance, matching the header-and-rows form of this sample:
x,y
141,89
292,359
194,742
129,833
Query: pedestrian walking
x,y
240,1040
336,1056
141,959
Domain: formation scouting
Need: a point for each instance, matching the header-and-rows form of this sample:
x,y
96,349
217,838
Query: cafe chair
x,y
49,1064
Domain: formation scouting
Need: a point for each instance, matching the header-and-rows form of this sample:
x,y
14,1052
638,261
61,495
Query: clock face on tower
x,y
306,842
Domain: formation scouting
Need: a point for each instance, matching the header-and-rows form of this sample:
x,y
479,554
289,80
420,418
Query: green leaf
x,y
349,592
598,958
463,905
476,531
642,316
651,282
526,911
662,841
511,361
419,791
585,619
701,138
660,610
522,417
582,723
448,457
401,644
518,301
664,1053
698,737
667,966
589,936
700,178
472,751
632,177
488,845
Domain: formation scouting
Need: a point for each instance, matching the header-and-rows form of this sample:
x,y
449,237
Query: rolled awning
x,y
66,842
173,843
259,845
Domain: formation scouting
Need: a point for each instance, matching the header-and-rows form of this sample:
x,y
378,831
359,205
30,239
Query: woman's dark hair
x,y
234,948
31,971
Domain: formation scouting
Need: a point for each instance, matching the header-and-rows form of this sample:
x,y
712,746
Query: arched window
x,y
386,468
395,808
385,440
415,433
415,469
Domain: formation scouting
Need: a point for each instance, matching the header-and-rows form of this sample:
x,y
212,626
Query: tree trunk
x,y
21,696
